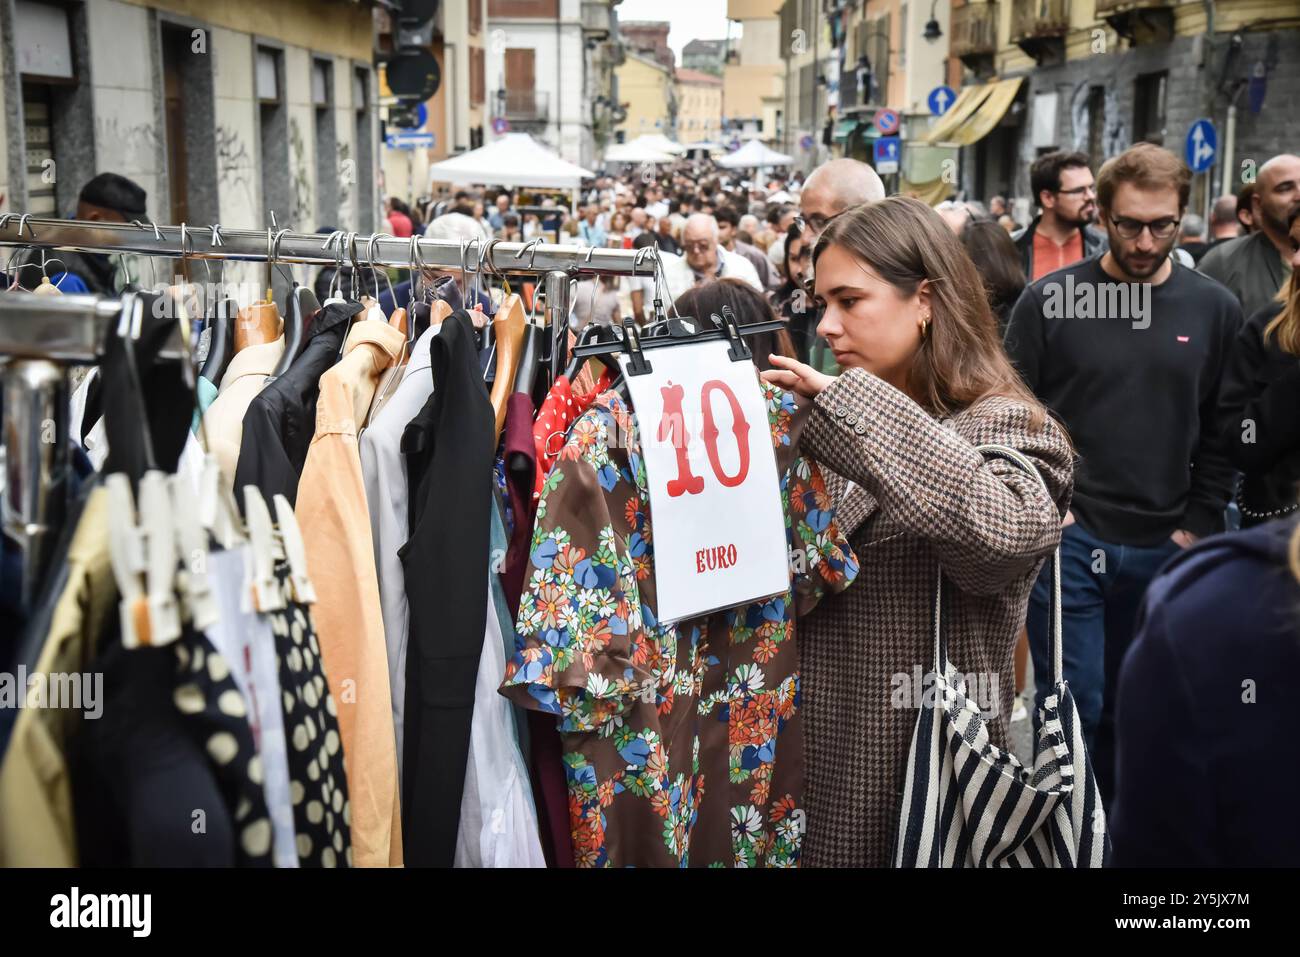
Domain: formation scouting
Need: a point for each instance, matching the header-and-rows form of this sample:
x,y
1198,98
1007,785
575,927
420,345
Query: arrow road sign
x,y
1202,146
887,153
941,97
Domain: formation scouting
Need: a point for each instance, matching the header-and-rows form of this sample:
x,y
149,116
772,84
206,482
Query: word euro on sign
x,y
715,497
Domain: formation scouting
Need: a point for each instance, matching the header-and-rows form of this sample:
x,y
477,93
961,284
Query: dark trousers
x,y
1102,585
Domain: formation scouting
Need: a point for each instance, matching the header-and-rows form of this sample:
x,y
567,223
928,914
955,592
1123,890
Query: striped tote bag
x,y
968,803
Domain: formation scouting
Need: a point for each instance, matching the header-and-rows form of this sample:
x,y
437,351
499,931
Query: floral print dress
x,y
682,744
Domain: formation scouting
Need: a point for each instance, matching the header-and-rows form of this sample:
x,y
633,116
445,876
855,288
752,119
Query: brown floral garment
x,y
682,743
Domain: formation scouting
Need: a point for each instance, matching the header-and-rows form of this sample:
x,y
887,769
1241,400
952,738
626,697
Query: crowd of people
x,y
1146,360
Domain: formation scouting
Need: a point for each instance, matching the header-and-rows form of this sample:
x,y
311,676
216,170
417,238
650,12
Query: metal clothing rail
x,y
40,336
286,246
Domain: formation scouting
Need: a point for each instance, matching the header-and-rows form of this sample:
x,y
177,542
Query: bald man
x,y
705,259
834,187
1254,267
829,190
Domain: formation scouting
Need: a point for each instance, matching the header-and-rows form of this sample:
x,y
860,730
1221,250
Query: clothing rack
x,y
557,264
40,337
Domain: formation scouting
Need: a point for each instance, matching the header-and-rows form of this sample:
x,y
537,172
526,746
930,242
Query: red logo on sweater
x,y
1184,338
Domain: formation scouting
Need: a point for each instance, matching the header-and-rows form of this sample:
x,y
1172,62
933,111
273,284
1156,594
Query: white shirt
x,y
387,498
680,277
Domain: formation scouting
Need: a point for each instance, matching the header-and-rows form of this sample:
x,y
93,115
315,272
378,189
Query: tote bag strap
x,y
1023,462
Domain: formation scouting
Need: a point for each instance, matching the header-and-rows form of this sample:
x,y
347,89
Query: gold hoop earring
x,y
925,324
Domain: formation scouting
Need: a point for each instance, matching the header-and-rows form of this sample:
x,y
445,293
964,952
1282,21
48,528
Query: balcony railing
x,y
523,106
1107,8
1039,19
975,30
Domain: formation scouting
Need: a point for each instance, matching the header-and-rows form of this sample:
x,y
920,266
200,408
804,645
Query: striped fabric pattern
x,y
968,803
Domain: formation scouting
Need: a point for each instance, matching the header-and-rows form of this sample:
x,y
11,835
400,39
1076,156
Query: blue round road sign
x,y
940,98
806,142
886,121
500,125
1202,146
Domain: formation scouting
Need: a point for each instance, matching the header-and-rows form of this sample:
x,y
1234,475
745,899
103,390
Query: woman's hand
x,y
794,376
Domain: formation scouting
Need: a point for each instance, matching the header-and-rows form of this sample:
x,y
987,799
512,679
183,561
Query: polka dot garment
x,y
318,784
560,409
214,711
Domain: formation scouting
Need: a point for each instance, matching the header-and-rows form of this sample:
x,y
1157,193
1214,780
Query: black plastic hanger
x,y
302,305
530,359
221,340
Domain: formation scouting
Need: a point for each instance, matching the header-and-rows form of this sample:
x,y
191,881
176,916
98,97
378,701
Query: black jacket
x,y
1259,409
1205,711
1094,243
448,448
281,420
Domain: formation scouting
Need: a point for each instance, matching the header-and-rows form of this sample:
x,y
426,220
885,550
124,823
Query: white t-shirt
x,y
680,277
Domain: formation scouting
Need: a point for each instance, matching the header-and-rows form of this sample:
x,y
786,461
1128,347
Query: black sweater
x,y
1260,419
1133,372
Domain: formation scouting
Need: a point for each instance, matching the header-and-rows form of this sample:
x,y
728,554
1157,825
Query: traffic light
x,y
413,72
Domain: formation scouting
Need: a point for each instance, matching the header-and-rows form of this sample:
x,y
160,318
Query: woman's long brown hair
x,y
961,359
1287,324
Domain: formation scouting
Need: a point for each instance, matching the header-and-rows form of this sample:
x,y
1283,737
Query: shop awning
x,y
844,129
978,109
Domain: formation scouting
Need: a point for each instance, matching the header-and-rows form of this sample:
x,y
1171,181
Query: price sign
x,y
715,496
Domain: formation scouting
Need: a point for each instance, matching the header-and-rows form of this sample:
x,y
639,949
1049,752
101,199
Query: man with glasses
x,y
1127,350
1254,267
1062,234
704,259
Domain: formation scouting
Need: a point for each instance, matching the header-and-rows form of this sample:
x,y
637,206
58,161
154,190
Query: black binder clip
x,y
739,351
638,364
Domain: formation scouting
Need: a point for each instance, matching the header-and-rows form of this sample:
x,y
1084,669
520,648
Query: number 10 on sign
x,y
715,499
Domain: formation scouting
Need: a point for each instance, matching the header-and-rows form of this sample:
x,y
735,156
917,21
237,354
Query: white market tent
x,y
657,141
516,159
756,154
636,153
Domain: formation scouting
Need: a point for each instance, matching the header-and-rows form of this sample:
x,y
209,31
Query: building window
x,y
54,106
1149,108
190,136
38,118
365,147
274,126
477,77
327,180
475,17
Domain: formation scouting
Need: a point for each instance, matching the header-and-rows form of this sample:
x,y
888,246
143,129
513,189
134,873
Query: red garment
x,y
400,224
1049,257
560,409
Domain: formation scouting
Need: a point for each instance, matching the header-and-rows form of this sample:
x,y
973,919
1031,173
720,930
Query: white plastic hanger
x,y
266,591
295,551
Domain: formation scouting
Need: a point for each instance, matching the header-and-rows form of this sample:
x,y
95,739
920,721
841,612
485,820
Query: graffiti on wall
x,y
234,166
347,176
127,147
300,213
1114,132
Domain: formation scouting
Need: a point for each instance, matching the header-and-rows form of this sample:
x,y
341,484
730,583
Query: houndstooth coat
x,y
912,492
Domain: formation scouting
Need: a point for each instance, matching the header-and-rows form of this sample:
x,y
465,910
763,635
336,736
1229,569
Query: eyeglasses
x,y
1078,191
816,222
1132,228
699,246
